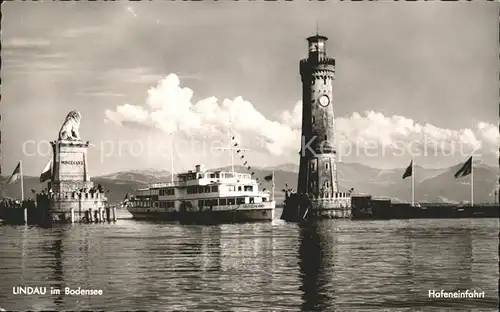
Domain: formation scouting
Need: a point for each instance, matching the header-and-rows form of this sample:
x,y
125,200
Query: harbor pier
x,y
31,213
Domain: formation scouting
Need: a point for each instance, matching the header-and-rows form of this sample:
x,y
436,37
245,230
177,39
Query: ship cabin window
x,y
251,200
240,200
167,192
228,175
214,188
212,176
167,204
264,199
313,165
231,201
248,188
239,188
207,203
222,202
196,189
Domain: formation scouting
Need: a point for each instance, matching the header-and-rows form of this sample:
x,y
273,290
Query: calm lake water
x,y
336,265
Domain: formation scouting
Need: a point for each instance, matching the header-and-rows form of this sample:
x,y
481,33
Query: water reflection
x,y
56,250
330,266
316,253
443,258
344,267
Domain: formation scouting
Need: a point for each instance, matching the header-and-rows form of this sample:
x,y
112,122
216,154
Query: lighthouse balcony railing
x,y
318,61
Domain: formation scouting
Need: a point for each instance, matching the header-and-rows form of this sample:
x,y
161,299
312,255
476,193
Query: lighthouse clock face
x,y
324,101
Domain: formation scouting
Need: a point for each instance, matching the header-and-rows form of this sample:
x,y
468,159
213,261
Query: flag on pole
x,y
16,175
47,172
465,170
408,171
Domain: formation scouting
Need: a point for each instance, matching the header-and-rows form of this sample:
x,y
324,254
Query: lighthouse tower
x,y
318,170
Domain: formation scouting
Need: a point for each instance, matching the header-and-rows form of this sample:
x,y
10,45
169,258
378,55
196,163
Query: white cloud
x,y
170,108
393,131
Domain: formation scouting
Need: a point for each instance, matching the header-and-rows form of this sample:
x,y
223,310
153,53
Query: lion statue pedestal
x,y
72,195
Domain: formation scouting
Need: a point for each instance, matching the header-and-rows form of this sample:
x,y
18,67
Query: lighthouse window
x,y
313,119
313,165
326,139
326,166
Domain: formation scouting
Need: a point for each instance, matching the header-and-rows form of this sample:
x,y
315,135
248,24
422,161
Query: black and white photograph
x,y
249,156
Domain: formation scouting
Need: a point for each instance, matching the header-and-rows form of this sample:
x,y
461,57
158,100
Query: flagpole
x,y
231,149
471,182
21,174
412,182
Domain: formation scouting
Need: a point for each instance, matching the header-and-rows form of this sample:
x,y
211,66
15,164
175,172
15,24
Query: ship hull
x,y
220,214
162,216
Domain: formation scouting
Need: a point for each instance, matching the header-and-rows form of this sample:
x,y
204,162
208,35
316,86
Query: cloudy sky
x,y
420,76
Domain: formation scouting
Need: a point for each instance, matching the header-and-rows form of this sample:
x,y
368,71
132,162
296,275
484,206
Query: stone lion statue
x,y
70,127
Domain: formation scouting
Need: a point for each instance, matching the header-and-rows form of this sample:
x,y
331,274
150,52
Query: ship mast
x,y
171,157
231,145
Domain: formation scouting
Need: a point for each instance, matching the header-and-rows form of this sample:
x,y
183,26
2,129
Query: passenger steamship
x,y
204,196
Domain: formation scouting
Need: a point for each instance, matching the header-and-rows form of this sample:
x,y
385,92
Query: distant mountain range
x,y
431,185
